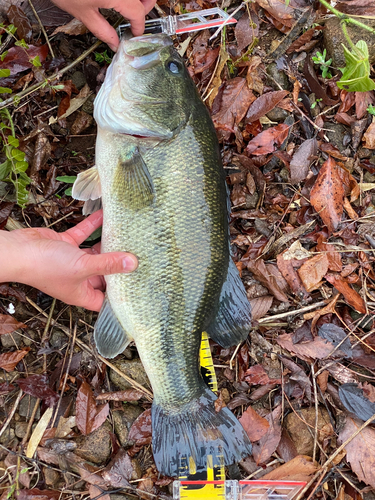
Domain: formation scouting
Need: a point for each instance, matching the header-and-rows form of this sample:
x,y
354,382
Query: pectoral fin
x,y
233,320
88,189
133,183
110,337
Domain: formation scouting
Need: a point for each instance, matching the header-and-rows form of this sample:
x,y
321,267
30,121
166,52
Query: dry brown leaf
x,y
8,324
360,452
258,268
300,468
9,360
317,349
253,77
266,141
334,258
260,306
74,27
302,159
369,137
327,194
255,425
264,104
313,270
351,296
38,432
263,449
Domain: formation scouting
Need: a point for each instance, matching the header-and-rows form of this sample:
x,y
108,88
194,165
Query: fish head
x,y
147,91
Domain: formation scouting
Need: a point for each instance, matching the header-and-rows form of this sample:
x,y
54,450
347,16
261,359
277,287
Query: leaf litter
x,y
302,230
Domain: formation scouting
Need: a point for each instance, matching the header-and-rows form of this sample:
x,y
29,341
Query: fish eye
x,y
174,67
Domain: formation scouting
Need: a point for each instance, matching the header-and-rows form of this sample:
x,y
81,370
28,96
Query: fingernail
x,y
112,47
129,264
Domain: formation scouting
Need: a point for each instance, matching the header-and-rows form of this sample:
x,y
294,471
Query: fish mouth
x,y
143,52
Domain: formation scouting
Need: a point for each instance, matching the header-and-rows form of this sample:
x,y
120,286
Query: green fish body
x,y
164,199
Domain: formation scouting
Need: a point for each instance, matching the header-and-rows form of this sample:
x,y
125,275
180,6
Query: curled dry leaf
x,y
360,451
263,449
369,137
257,375
8,324
236,100
89,416
264,104
313,270
300,468
266,141
351,296
260,306
9,360
258,268
354,400
281,11
302,159
255,425
317,349
74,27
333,257
17,17
327,195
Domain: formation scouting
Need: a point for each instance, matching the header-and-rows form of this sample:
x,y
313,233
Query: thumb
x,y
108,263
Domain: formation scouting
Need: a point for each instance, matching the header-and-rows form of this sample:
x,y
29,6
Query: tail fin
x,y
196,431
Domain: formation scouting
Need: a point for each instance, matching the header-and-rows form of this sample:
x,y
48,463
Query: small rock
x,y
29,337
79,80
278,77
88,106
251,200
95,447
20,429
7,436
51,477
26,407
9,340
334,37
133,368
277,114
336,133
299,433
123,420
57,339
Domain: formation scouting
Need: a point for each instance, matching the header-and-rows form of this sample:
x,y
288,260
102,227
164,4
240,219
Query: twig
x,y
45,333
12,412
325,466
316,412
293,313
345,18
227,21
148,394
42,28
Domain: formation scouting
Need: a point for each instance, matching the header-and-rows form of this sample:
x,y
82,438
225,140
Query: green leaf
x,y
18,155
356,74
11,29
371,109
35,61
5,169
95,235
3,55
5,90
68,192
21,166
13,141
4,73
22,43
20,184
69,179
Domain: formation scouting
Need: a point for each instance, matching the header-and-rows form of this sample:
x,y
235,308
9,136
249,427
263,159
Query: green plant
x,y
315,103
371,109
103,57
69,179
324,65
356,74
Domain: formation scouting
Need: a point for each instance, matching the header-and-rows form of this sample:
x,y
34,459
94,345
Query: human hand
x,y
53,262
87,11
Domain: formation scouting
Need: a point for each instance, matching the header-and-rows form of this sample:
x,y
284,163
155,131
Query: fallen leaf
x,y
338,337
300,468
257,375
74,27
18,58
17,17
120,471
253,76
314,84
260,306
246,30
96,491
333,257
327,195
313,270
354,400
263,449
82,122
258,268
75,104
281,11
356,7
9,360
351,296
89,416
302,160
298,45
126,395
217,80
266,141
236,100
255,425
317,349
369,137
362,102
289,272
141,432
298,375
360,451
37,494
37,386
204,56
264,104
8,324
38,432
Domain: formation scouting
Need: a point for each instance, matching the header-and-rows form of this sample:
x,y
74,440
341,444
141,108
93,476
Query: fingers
x,y
93,300
84,229
135,12
107,263
99,27
148,5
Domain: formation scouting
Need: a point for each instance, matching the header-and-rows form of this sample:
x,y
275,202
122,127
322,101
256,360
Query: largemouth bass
x,y
159,174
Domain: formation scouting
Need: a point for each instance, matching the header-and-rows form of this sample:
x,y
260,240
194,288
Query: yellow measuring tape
x,y
207,365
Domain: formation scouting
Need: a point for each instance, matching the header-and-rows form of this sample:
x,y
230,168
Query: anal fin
x,y
110,337
233,319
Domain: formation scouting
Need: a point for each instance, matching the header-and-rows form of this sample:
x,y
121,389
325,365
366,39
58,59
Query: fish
x,y
159,177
